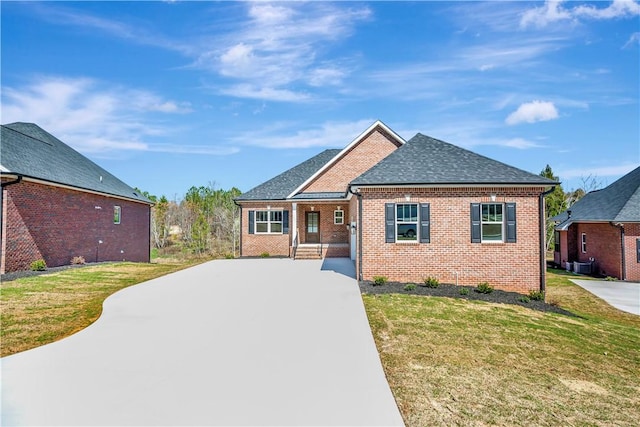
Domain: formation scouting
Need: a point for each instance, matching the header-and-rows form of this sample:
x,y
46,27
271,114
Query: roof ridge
x,y
8,126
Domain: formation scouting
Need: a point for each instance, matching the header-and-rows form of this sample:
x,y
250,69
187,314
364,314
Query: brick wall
x,y
603,244
258,244
330,232
57,224
360,158
451,257
631,236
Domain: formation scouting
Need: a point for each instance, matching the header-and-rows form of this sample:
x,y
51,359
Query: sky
x,y
173,94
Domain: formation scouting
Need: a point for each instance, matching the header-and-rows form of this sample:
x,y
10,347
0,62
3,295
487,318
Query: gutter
x,y
359,229
622,252
235,202
543,235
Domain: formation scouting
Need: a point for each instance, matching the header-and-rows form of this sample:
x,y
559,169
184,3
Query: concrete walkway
x,y
624,296
230,342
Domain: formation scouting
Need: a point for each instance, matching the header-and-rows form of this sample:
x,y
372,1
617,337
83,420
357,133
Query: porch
x,y
321,229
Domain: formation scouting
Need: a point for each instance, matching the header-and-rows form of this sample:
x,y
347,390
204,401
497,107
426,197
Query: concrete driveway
x,y
229,342
624,296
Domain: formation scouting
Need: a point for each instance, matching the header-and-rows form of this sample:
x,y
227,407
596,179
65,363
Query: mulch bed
x,y
29,273
453,291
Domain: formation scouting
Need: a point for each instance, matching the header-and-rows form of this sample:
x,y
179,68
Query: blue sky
x,y
167,95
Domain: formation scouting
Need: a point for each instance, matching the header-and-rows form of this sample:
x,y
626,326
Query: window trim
x,y
269,221
583,242
341,217
117,215
501,222
416,237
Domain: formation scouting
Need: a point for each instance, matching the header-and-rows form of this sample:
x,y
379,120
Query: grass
x,y
43,309
458,362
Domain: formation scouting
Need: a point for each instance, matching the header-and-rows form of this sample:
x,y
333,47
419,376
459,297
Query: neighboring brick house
x,y
57,205
405,210
602,230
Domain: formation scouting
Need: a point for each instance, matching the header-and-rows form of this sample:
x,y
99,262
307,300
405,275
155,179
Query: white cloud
x,y
633,40
329,134
531,112
519,143
598,171
553,11
92,116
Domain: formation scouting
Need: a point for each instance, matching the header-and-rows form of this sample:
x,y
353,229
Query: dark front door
x,y
313,227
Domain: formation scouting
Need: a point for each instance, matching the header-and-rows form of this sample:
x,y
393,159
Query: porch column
x,y
294,224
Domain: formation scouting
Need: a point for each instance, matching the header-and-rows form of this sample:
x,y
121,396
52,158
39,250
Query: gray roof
x,y
32,152
618,202
283,185
425,160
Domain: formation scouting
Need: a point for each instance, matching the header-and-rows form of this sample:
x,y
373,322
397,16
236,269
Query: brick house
x,y
57,204
404,210
602,231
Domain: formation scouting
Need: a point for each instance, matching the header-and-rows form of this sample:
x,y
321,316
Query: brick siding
x,y
57,224
359,159
451,257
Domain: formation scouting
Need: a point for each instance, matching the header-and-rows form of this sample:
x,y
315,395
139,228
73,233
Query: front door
x,y
313,227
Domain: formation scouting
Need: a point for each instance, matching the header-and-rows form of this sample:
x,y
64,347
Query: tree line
x,y
204,222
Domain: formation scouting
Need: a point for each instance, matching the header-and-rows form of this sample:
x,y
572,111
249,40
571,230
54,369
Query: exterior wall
x,y
631,236
57,224
360,158
258,244
451,257
562,257
603,245
330,232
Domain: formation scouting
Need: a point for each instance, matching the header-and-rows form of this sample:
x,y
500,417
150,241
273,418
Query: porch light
x,y
493,197
407,197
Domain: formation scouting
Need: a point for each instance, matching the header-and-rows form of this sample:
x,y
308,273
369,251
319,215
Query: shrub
x,y
38,265
536,295
484,288
379,280
229,256
464,291
431,282
77,260
264,255
524,299
410,287
610,279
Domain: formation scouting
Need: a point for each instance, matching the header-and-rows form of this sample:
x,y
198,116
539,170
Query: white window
x,y
407,222
268,222
491,222
338,216
584,243
117,212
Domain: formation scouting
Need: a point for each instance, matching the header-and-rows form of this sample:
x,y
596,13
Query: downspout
x,y
240,231
359,229
543,236
18,180
622,252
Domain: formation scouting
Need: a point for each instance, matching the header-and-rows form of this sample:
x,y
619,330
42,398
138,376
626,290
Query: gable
x,y
361,155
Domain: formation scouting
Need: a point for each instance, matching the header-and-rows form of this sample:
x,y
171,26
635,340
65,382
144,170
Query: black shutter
x,y
285,222
511,222
476,235
425,223
252,216
390,222
638,250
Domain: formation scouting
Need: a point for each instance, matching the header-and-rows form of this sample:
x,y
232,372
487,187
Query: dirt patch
x,y
582,386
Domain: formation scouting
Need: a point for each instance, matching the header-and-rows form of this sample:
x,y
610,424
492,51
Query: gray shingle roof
x,y
281,186
31,151
425,160
618,202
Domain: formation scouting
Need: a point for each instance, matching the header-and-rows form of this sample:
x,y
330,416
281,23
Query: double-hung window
x,y
583,242
407,222
493,222
338,216
117,213
268,222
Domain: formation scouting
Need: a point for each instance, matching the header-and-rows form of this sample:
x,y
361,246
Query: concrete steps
x,y
308,251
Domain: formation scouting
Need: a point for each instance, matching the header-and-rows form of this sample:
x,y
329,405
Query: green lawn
x,y
42,309
458,362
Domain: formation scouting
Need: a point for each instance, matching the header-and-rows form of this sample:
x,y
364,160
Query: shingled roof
x,y
30,151
424,160
618,202
281,186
